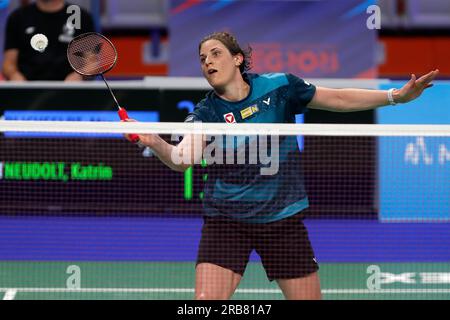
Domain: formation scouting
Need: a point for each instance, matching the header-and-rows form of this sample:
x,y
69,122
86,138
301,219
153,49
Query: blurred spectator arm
x,y
10,66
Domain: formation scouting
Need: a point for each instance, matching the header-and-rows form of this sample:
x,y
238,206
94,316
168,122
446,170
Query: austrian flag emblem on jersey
x,y
229,118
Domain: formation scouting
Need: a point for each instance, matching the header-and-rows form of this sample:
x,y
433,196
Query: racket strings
x,y
91,54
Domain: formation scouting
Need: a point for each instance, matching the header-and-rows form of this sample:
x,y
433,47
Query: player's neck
x,y
235,91
50,5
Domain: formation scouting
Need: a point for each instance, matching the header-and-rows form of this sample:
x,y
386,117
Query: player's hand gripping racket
x,y
92,54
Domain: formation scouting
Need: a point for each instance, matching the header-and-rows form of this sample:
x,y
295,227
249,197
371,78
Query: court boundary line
x,y
13,291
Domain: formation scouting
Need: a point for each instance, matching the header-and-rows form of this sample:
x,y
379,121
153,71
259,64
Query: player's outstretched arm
x,y
177,157
348,100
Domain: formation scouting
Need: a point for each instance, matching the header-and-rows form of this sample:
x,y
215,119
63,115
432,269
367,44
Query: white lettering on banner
x,y
407,277
435,277
444,154
377,278
414,150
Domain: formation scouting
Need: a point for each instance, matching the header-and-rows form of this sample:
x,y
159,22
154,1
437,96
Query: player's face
x,y
219,66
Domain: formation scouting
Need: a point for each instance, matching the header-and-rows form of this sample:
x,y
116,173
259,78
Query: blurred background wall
x,y
159,37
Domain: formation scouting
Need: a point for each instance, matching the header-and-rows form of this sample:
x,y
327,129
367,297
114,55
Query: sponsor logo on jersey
x,y
247,112
229,117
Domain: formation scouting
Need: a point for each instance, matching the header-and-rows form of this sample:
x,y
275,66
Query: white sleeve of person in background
x,y
39,42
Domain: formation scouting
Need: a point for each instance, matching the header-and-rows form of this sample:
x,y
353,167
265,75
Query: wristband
x,y
391,97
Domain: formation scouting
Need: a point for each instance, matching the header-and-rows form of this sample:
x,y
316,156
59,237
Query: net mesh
x,y
91,54
87,215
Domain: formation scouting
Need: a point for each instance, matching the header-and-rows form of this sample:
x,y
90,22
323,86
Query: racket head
x,y
91,54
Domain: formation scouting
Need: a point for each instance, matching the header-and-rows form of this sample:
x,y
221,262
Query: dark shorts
x,y
283,246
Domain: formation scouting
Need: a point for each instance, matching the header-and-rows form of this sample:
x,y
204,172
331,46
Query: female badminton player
x,y
272,224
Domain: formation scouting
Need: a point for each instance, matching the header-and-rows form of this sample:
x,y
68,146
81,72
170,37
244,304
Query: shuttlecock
x,y
39,42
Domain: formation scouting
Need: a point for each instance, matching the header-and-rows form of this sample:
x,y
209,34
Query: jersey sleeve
x,y
198,115
301,93
12,32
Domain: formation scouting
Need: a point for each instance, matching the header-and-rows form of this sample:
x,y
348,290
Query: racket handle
x,y
124,116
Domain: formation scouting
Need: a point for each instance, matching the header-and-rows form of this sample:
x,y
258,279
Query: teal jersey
x,y
248,191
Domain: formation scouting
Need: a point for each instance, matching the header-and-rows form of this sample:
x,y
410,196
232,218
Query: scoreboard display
x,y
94,176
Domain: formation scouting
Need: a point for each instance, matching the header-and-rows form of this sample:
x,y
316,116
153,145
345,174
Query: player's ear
x,y
239,59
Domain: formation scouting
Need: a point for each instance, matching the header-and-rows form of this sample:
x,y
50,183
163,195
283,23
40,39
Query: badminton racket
x,y
92,54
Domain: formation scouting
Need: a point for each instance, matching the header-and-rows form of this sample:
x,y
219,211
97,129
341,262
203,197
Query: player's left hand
x,y
415,87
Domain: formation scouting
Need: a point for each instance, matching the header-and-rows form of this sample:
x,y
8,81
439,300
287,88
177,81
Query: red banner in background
x,y
135,58
419,55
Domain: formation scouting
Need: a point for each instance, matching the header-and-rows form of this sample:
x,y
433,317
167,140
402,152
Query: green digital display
x,y
189,182
59,171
